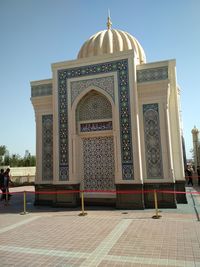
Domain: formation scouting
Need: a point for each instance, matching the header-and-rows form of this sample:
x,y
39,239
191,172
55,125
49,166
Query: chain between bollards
x,y
24,212
83,213
156,216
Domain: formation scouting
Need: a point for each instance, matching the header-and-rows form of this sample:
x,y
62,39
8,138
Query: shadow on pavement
x,y
16,204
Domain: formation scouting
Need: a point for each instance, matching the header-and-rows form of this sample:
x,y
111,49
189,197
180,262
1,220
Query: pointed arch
x,y
83,95
94,150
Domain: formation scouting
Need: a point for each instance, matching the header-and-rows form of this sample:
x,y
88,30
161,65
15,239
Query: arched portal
x,y
94,126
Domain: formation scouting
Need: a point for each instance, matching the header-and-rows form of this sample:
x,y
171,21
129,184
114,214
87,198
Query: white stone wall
x,y
155,83
22,174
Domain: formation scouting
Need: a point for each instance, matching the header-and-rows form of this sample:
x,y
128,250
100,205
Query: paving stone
x,y
105,237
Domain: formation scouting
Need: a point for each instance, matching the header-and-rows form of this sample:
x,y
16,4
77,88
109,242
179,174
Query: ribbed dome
x,y
111,41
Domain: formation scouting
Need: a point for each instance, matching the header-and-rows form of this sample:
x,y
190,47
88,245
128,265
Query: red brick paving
x,y
59,237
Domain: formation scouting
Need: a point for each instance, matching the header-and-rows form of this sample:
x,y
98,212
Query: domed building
x,y
108,123
196,149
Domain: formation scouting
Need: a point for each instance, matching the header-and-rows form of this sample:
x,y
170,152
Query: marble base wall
x,y
123,199
165,200
128,200
57,199
106,202
181,198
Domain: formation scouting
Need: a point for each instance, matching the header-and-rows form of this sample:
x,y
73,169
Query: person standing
x,y
7,182
189,172
2,183
198,173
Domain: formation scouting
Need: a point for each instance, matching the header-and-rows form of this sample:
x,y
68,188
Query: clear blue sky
x,y
36,33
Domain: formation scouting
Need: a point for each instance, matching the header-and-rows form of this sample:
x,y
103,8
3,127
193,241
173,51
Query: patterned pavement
x,y
105,237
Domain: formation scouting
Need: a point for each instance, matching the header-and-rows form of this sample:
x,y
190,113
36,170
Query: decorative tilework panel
x,y
105,83
154,74
94,106
96,126
47,147
41,90
98,158
121,69
153,149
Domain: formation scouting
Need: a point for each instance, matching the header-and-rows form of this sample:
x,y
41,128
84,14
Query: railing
x,y
155,193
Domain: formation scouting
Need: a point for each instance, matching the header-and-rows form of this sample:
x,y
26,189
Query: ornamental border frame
x,y
121,68
47,142
154,107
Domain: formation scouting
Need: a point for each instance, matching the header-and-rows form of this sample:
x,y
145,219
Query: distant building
x,y
196,147
109,121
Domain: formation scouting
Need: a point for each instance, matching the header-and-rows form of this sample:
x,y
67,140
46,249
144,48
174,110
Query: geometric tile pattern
x,y
153,152
120,67
105,83
153,74
94,107
96,126
41,90
98,157
47,147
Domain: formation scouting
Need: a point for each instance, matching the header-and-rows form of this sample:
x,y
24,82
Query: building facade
x,y
109,121
196,148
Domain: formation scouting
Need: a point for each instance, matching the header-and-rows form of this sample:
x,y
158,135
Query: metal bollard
x,y
156,216
24,212
83,213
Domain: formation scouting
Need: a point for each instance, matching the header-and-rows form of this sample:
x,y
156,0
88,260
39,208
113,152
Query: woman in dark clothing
x,y
189,172
198,173
7,181
2,183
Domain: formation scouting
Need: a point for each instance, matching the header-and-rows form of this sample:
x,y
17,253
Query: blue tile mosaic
x,y
105,83
41,90
154,74
47,147
153,152
96,126
99,170
121,68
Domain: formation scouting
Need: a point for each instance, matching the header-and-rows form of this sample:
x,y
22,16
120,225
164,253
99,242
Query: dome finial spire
x,y
109,22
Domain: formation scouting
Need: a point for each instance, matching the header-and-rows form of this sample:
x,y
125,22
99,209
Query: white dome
x,y
111,41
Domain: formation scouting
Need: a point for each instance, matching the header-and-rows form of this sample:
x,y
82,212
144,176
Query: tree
x,y
6,161
2,150
16,160
2,153
32,160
